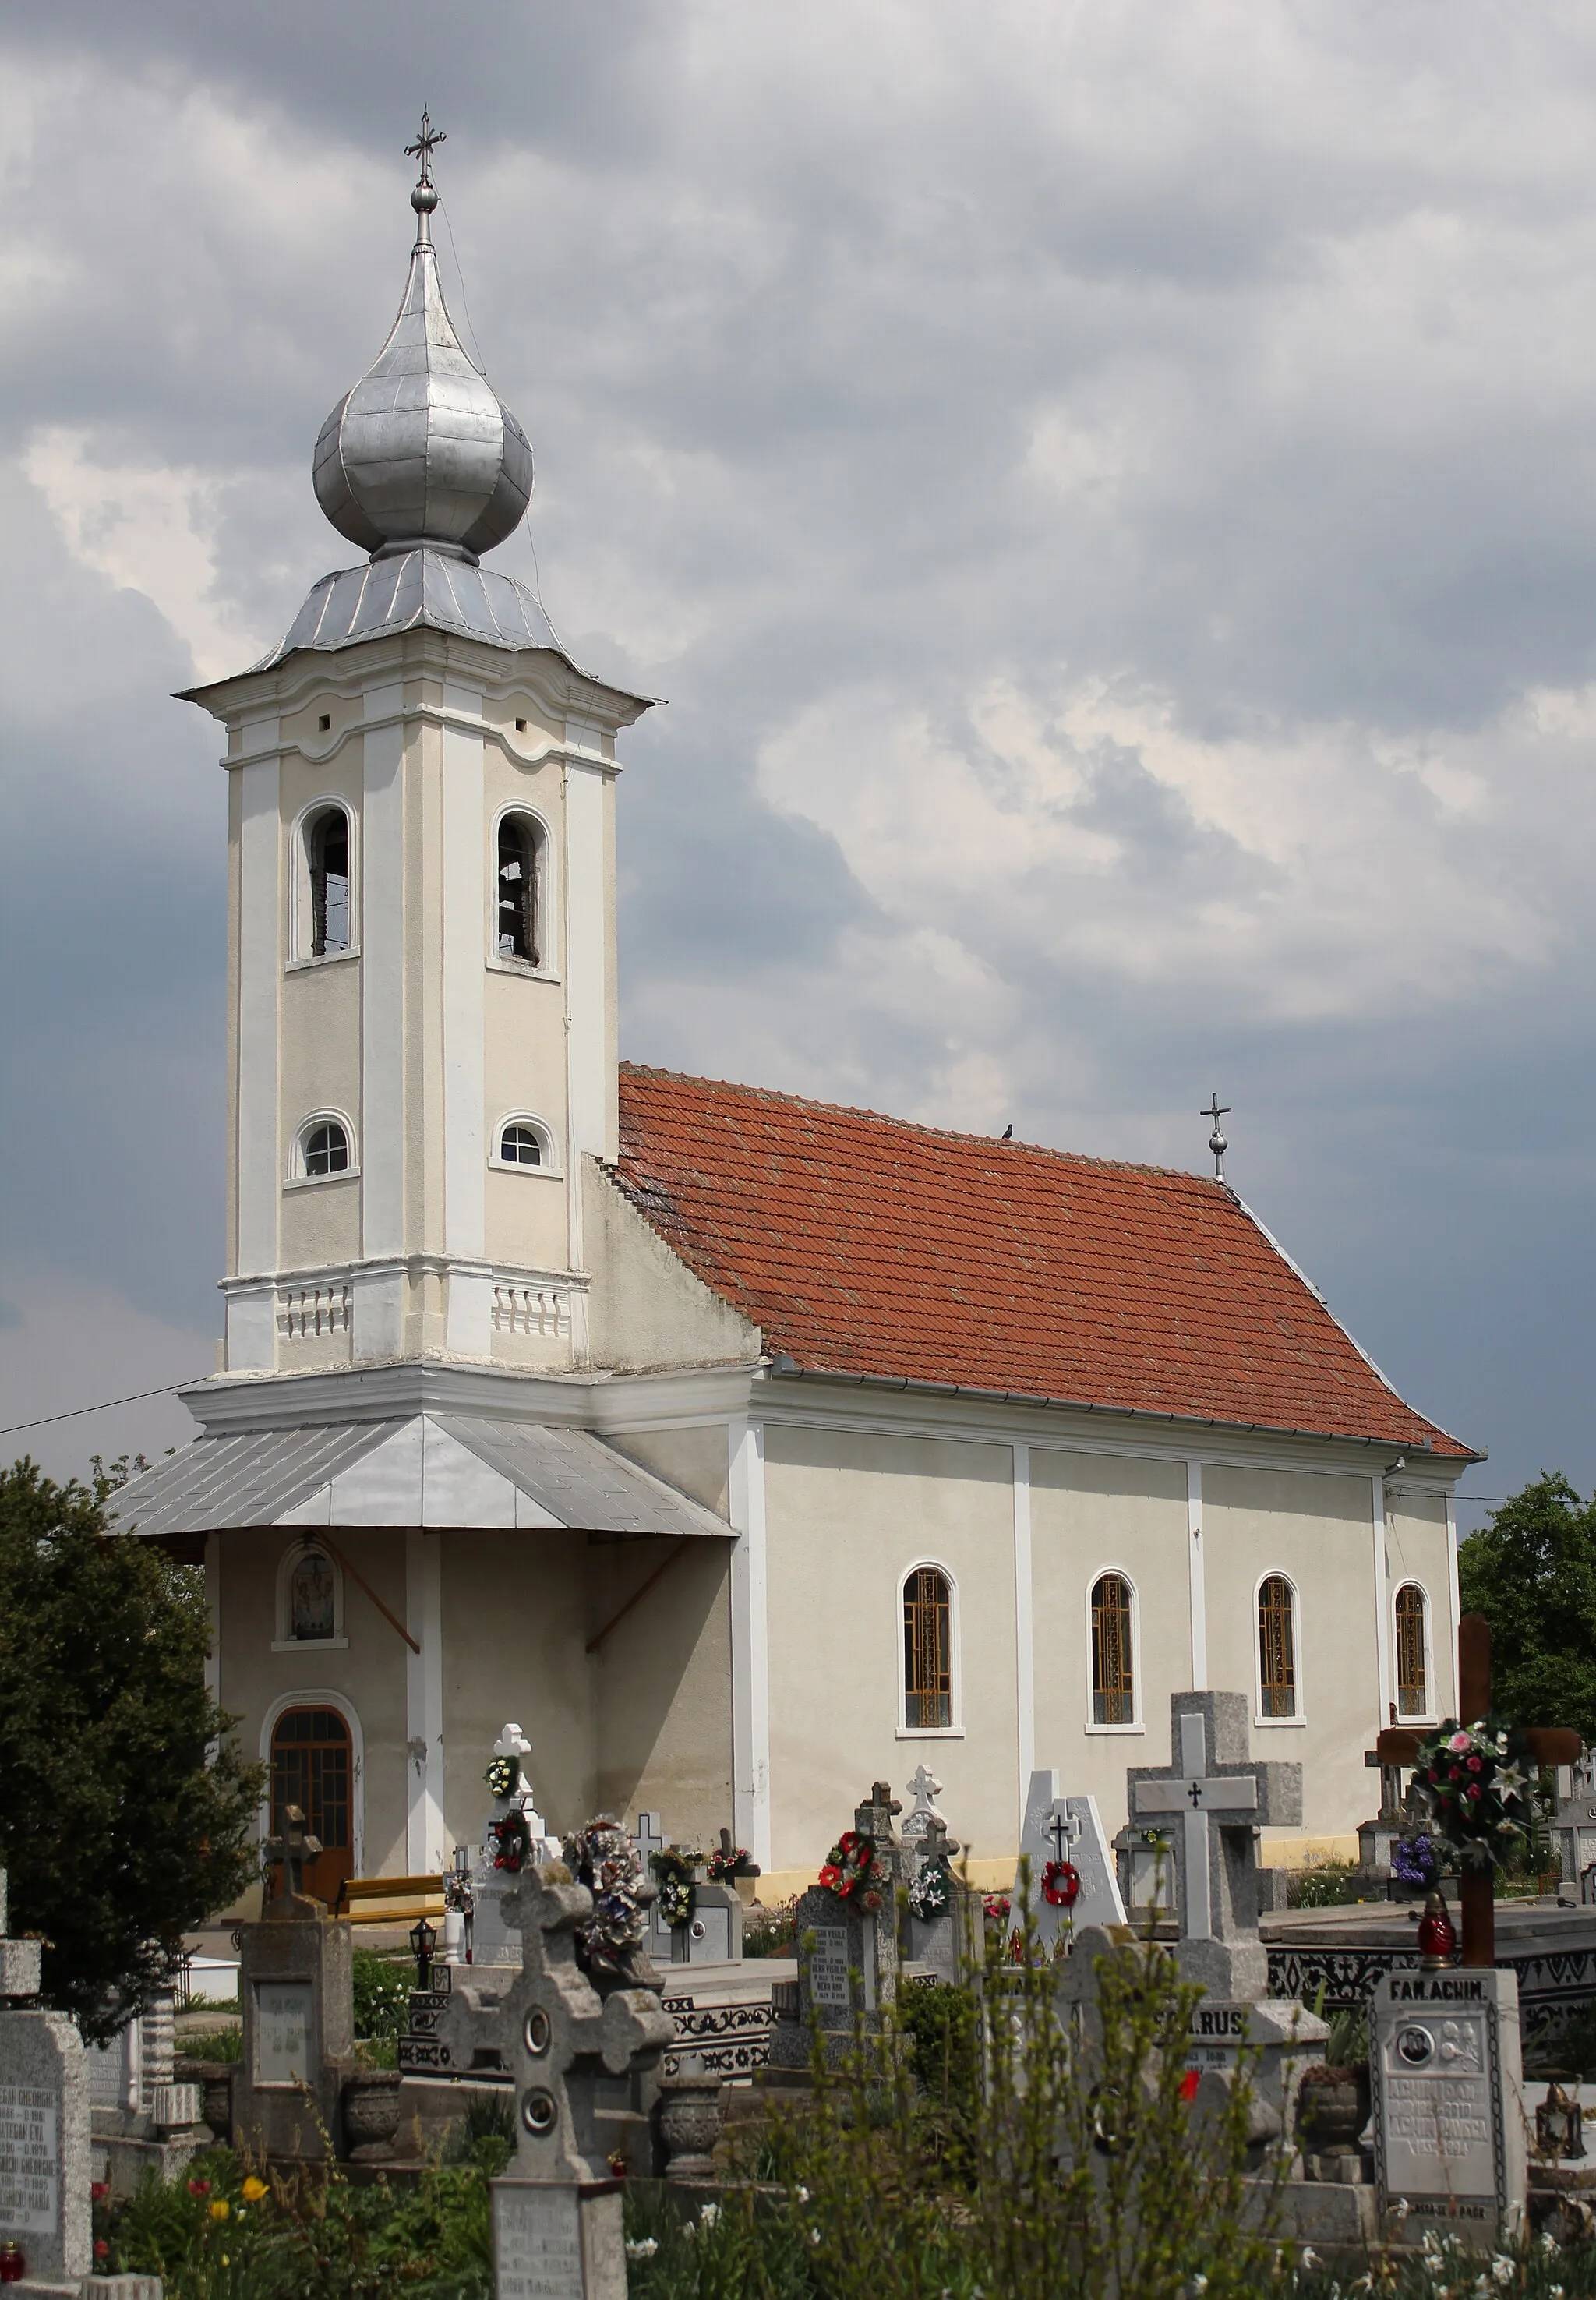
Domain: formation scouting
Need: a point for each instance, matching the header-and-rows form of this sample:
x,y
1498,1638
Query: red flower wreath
x,y
513,1839
851,1870
1060,1884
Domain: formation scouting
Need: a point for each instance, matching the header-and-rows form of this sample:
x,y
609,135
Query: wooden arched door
x,y
312,1767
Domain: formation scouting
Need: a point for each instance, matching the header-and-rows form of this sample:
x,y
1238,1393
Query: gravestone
x,y
296,1997
846,1947
1213,1797
1574,1833
1060,1828
142,2119
1448,2088
576,2039
714,1933
45,2168
493,1887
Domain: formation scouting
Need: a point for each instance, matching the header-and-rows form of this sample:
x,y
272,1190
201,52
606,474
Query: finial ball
x,y
424,199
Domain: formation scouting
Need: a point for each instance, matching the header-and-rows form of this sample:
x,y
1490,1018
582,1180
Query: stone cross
x,y
1549,1745
1216,1797
292,1850
557,2215
925,1788
874,1819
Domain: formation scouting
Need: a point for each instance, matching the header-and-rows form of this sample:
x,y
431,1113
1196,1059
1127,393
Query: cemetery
x,y
1135,2071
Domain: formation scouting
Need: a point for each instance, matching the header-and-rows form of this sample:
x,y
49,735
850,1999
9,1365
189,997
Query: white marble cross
x,y
1205,1802
925,1788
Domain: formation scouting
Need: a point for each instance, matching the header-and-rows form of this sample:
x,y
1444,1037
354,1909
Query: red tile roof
x,y
864,1246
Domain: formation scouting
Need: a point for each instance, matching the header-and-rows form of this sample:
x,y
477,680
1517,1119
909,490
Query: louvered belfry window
x,y
1113,1681
1276,1646
1413,1692
517,920
927,1650
327,843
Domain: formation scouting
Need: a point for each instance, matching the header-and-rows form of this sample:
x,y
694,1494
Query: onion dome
x,y
423,454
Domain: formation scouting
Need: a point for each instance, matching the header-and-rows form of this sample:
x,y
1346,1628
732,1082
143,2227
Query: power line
x,y
72,1412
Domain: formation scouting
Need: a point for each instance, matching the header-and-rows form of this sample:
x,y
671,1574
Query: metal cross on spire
x,y
1216,1110
422,148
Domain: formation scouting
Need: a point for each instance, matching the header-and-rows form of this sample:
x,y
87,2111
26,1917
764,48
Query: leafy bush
x,y
213,2045
1327,1885
382,1988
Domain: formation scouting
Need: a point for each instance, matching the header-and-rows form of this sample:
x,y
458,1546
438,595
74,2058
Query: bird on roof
x,y
1008,1132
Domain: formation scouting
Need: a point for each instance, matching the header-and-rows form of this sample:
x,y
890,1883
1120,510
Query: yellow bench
x,y
390,1900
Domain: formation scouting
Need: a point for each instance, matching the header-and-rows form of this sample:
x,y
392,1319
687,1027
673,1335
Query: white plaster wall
x,y
1093,1514
1418,1549
1317,1529
846,1514
646,1308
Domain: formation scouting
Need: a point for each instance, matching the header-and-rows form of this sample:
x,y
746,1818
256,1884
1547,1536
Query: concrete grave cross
x,y
567,2039
1215,1797
874,1819
292,1850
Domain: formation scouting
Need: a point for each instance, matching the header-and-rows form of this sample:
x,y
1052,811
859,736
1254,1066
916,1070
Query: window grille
x,y
1413,1692
1276,1648
928,1651
1113,1679
518,910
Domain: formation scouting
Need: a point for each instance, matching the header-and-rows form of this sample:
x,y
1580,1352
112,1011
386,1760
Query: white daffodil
x,y
642,2247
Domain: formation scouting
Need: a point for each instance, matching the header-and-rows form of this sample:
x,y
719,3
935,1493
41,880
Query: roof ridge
x,y
1204,1182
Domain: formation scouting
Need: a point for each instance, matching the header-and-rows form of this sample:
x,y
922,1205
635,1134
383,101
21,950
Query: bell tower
x,y
421,991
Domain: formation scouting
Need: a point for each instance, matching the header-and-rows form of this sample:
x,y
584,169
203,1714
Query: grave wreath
x,y
852,1871
678,1890
504,1777
1476,1781
514,1840
602,1857
726,1861
1060,1884
931,1894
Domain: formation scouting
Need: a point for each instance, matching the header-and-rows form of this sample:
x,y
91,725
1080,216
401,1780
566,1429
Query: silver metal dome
x,y
422,451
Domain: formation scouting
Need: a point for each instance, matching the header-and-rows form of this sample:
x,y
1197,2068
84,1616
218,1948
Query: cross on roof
x,y
1216,1110
424,145
290,1851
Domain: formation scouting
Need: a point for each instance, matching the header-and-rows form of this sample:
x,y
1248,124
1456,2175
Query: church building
x,y
743,1449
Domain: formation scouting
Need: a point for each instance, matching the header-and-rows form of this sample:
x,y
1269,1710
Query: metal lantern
x,y
423,1940
1558,2122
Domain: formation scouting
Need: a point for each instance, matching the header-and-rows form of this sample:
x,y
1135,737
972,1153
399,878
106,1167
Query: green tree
x,y
1531,1572
126,1810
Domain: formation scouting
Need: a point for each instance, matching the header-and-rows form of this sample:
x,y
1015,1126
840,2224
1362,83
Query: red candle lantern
x,y
1437,1937
13,2263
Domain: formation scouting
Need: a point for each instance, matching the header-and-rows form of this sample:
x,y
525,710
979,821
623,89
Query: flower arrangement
x,y
512,1841
503,1776
1477,1790
853,1872
1060,1884
1414,1861
931,1894
995,1908
728,1860
602,1857
678,1891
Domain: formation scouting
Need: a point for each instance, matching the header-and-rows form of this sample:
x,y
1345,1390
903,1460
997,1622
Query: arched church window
x,y
326,1147
1113,1668
928,1651
327,855
1413,1691
519,923
1276,1646
312,1597
520,1146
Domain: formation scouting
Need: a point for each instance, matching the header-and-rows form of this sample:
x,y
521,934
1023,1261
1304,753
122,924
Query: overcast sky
x,y
1108,491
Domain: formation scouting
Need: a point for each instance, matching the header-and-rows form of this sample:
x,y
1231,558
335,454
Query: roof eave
x,y
780,1366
